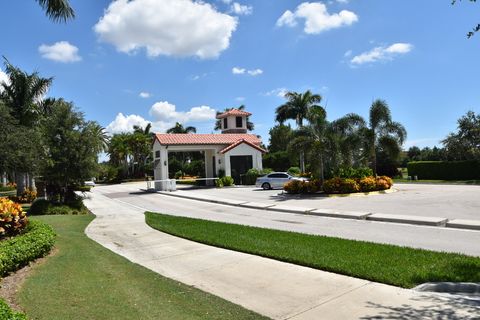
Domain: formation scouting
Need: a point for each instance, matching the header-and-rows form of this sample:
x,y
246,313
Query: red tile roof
x,y
233,112
239,142
210,139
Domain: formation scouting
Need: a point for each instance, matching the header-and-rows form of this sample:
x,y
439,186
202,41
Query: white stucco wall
x,y
232,123
244,150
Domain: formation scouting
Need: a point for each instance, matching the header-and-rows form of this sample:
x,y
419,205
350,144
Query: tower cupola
x,y
234,121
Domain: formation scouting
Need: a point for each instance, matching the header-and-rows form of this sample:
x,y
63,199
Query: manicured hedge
x,y
445,170
8,314
18,251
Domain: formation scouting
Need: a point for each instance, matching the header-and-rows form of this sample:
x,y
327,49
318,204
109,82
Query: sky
x,y
126,63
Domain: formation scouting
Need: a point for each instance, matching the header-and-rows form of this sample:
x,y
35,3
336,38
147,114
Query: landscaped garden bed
x,y
389,264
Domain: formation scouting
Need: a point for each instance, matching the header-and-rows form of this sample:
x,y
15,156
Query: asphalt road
x,y
433,238
449,201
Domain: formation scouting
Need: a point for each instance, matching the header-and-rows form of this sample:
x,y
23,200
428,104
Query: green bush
x,y
44,207
228,181
8,314
178,174
251,176
354,173
445,170
83,188
16,252
219,183
294,171
7,188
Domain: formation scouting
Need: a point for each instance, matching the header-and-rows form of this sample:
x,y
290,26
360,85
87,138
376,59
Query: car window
x,y
278,175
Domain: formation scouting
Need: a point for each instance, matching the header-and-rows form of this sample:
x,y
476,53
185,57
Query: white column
x,y
228,169
161,169
209,166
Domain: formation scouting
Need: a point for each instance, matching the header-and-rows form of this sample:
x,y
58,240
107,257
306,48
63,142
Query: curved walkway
x,y
272,288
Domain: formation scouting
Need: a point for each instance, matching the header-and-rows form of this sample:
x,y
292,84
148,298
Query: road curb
x,y
329,213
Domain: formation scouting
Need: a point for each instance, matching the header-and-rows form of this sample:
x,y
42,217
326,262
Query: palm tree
x,y
382,133
329,144
218,123
179,128
57,10
297,108
23,96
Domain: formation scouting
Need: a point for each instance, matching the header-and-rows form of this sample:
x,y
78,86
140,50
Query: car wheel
x,y
266,186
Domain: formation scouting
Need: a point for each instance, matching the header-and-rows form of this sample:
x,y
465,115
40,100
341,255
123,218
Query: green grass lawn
x,y
83,280
399,266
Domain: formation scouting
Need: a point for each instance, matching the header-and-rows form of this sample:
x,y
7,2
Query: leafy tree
x,y
280,137
23,96
57,10
218,123
465,143
72,145
476,28
179,128
382,136
297,108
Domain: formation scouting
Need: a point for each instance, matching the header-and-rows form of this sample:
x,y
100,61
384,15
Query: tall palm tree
x,y
179,128
57,10
329,144
382,133
297,108
23,96
218,123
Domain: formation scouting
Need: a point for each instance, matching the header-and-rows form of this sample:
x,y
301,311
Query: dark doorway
x,y
240,165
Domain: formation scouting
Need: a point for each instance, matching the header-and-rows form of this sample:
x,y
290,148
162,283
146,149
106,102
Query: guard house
x,y
234,150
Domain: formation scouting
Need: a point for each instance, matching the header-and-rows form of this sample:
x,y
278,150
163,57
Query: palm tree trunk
x,y
20,180
302,161
4,179
31,183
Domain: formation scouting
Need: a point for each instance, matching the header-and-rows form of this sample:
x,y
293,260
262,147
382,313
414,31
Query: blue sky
x,y
164,61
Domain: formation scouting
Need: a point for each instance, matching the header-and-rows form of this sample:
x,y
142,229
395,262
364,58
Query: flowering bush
x,y
384,183
28,196
368,184
12,218
299,186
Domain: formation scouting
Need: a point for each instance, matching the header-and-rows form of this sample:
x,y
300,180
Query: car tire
x,y
266,186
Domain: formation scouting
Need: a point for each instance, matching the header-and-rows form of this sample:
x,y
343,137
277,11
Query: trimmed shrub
x,y
8,314
45,207
298,186
384,183
16,252
12,218
294,171
7,188
340,185
228,181
445,170
178,174
219,183
368,184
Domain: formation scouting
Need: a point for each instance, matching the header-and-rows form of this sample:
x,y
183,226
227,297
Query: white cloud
x,y
168,27
278,92
124,123
317,19
240,9
237,70
240,99
4,78
253,72
382,53
144,95
163,117
61,51
348,53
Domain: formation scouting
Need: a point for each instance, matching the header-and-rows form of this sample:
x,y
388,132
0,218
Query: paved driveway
x,y
450,201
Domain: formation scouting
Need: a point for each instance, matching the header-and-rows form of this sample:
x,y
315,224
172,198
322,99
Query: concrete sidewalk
x,y
275,289
295,206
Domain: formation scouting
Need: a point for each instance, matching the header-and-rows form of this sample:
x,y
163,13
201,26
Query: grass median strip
x,y
83,280
399,266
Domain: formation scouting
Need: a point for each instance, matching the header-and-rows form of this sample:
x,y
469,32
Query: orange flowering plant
x,y
12,218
